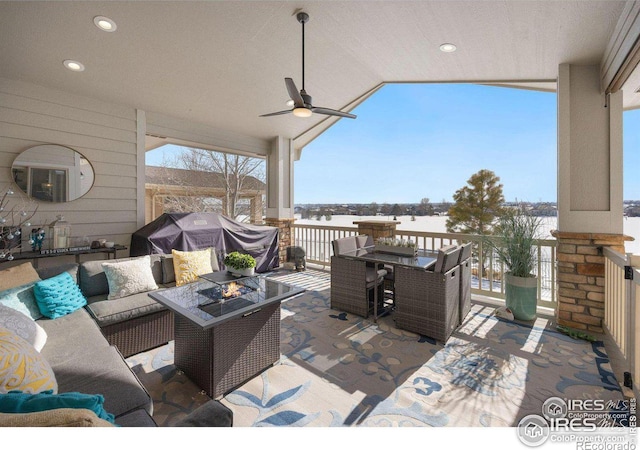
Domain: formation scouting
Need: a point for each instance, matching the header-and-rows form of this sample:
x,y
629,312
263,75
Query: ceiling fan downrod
x,y
302,18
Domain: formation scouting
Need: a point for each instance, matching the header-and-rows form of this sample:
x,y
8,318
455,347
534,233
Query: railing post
x,y
377,228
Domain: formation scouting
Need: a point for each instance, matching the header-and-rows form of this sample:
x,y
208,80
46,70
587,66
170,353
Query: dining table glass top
x,y
424,259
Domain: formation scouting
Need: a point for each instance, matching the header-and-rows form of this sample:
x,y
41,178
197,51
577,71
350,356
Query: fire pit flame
x,y
232,290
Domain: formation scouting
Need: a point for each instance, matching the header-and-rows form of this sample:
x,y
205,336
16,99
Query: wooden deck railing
x,y
621,311
486,278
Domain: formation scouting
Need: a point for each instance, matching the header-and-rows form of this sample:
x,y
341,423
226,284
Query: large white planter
x,y
242,272
521,296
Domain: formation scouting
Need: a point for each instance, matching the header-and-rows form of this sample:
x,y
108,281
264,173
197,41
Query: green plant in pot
x,y
515,246
240,263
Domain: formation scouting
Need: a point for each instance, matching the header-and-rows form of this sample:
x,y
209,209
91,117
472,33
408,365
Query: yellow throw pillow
x,y
17,276
22,368
189,265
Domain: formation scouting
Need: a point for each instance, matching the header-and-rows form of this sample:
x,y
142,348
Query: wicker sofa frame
x,y
141,333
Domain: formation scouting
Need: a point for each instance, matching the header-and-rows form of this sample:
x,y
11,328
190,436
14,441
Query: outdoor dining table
x,y
425,259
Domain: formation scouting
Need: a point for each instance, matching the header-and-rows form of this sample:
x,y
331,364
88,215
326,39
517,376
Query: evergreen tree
x,y
476,205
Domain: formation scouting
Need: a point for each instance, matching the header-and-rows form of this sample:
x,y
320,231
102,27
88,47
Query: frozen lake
x,y
437,224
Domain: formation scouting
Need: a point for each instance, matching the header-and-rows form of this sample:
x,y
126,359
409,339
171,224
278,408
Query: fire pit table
x,y
227,329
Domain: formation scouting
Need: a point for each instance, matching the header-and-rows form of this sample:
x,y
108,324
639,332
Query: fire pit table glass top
x,y
219,297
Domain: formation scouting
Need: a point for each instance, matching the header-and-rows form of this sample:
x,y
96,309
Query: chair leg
x,y
375,302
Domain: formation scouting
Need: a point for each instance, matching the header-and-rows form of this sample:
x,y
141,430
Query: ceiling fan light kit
x,y
302,112
300,100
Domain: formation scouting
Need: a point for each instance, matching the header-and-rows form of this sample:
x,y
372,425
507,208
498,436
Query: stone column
x,y
285,235
581,277
377,228
256,209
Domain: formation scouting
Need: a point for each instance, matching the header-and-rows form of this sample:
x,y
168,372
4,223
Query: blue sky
x,y
412,141
425,140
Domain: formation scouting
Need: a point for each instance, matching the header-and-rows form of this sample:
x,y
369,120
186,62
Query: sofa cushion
x,y
108,312
60,417
58,296
93,280
23,326
22,298
22,368
48,272
137,418
105,372
443,256
77,328
189,265
210,414
129,277
17,276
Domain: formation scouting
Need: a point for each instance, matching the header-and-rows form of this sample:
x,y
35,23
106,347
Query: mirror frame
x,y
55,181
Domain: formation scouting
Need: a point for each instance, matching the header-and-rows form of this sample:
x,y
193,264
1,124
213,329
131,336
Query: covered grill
x,y
195,231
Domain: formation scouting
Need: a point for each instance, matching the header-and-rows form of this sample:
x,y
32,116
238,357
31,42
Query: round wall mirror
x,y
52,173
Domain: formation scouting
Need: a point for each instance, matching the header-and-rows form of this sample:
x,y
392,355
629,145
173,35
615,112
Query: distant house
x,y
164,182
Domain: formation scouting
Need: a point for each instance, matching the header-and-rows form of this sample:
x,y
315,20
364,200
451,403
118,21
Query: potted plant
x,y
396,246
240,264
516,249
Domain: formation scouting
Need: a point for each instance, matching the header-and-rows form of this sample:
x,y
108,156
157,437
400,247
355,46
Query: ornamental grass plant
x,y
514,241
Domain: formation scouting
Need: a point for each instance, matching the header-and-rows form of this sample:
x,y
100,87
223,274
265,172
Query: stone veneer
x,y
581,277
377,228
284,235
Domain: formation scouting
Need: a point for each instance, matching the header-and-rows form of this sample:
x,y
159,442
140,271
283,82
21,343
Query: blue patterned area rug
x,y
339,369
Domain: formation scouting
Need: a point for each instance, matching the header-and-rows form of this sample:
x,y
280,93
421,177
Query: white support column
x,y
589,153
141,131
280,192
280,179
589,193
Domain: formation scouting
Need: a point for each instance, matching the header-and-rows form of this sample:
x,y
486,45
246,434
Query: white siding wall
x,y
106,134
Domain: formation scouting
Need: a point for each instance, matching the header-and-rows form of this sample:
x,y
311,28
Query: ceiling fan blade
x,y
288,111
332,112
294,93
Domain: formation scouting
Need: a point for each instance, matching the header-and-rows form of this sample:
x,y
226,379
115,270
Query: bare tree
x,y
233,174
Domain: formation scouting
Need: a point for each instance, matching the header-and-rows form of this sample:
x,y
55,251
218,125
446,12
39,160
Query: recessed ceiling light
x,y
448,48
105,24
290,102
73,65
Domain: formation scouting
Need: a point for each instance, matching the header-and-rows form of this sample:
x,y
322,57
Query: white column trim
x,y
141,131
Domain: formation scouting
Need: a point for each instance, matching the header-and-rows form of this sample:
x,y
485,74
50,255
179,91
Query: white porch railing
x,y
621,312
316,242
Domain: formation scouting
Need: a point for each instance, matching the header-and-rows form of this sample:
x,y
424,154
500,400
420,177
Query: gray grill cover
x,y
195,231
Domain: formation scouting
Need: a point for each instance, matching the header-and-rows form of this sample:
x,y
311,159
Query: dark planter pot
x,y
521,296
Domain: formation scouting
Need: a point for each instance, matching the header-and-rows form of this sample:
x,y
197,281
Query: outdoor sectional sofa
x,y
86,348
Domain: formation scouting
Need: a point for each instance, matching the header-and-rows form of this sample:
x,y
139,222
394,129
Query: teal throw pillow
x,y
58,296
19,402
21,298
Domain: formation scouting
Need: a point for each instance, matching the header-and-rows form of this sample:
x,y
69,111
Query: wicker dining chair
x,y
465,280
427,302
355,287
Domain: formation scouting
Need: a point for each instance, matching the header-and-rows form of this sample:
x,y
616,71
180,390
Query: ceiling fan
x,y
302,106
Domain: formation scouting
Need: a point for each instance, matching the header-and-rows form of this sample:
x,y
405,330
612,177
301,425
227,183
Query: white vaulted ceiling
x,y
223,63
